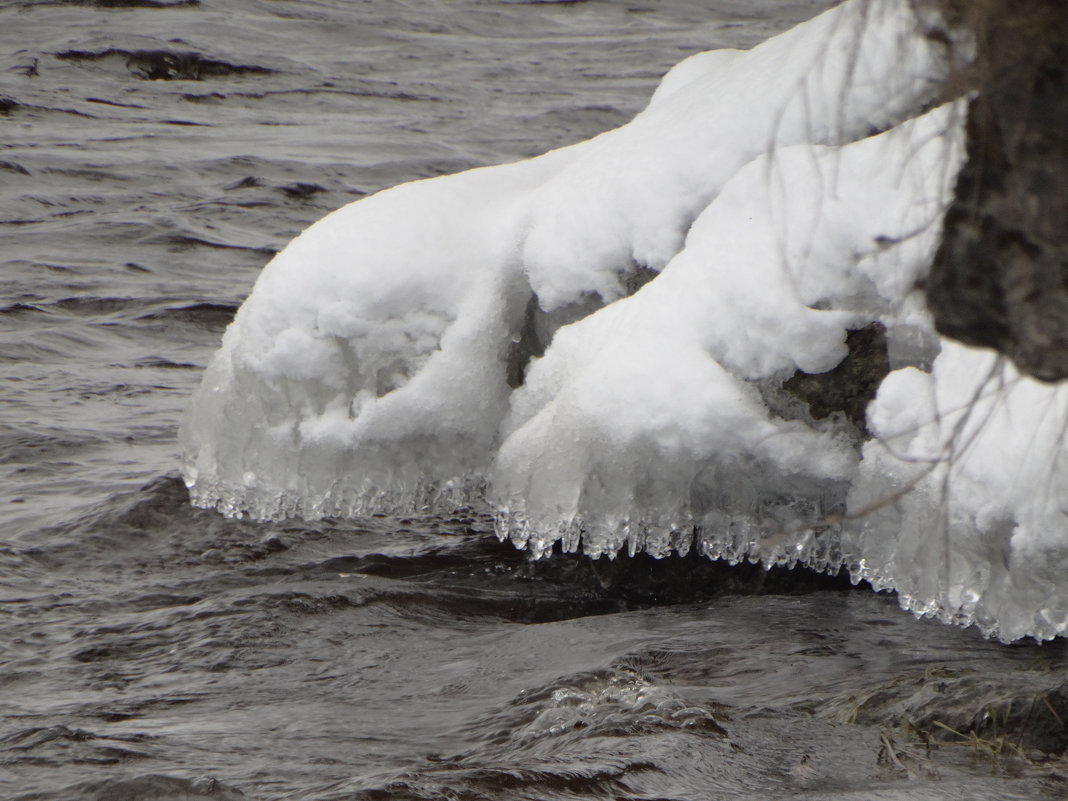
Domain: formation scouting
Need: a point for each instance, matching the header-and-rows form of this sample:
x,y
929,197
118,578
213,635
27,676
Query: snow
x,y
668,373
976,452
664,279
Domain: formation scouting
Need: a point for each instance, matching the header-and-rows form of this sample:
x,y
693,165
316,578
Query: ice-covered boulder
x,y
600,342
646,418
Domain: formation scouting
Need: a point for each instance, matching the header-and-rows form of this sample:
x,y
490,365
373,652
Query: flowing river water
x,y
154,156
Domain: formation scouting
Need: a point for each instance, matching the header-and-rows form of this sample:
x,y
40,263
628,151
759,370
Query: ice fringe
x,y
372,368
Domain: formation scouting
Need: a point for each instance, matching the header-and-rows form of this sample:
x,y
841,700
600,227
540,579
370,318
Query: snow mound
x,y
600,342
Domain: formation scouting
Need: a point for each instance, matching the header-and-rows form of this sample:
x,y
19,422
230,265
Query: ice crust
x,y
373,367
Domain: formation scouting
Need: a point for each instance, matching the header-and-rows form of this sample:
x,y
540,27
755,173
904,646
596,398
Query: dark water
x,y
154,155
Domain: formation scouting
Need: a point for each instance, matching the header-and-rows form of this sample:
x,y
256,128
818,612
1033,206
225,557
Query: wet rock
x,y
850,386
1000,277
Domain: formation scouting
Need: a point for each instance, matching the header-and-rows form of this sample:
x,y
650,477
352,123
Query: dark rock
x,y
850,386
538,330
1000,277
540,326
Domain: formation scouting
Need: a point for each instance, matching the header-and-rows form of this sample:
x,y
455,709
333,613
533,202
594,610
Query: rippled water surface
x,y
154,155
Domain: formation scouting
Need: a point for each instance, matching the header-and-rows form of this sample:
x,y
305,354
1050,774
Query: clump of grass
x,y
894,756
995,746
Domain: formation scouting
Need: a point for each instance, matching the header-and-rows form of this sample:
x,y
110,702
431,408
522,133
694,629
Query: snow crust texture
x,y
596,342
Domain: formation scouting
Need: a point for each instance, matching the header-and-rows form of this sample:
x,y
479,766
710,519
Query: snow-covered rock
x,y
778,198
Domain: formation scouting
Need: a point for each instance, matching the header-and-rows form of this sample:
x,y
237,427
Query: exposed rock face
x,y
851,385
1000,278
